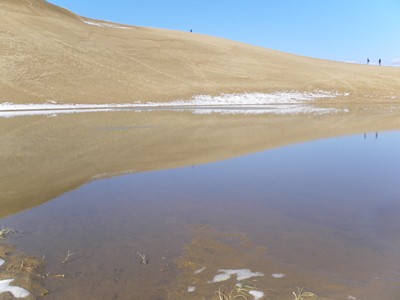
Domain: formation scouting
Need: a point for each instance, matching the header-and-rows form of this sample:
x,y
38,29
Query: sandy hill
x,y
49,53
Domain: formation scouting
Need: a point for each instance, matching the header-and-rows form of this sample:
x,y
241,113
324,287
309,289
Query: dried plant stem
x,y
302,294
144,261
5,231
69,254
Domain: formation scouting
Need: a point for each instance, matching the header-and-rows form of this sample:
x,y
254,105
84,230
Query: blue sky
x,y
343,30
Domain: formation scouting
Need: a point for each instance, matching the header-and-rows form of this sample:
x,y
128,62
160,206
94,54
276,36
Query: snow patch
x,y
191,289
2,262
278,275
292,97
105,24
275,110
241,274
199,270
7,106
248,103
9,110
47,112
16,291
256,294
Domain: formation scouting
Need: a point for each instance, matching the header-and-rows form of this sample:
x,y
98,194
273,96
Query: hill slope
x,y
49,53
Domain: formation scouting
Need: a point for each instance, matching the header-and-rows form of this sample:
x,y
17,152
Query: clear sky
x,y
343,30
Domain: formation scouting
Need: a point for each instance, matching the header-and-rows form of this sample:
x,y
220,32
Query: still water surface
x,y
324,213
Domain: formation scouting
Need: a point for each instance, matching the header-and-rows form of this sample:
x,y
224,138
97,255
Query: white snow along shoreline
x,y
247,103
16,291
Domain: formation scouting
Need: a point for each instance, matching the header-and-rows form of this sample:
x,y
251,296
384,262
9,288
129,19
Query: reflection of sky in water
x,y
330,205
330,181
345,182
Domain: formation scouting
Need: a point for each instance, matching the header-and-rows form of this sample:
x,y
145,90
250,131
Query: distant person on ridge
x,y
367,61
380,61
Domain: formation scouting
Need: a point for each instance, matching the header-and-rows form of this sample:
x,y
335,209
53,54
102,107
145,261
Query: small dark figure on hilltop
x,y
367,61
380,61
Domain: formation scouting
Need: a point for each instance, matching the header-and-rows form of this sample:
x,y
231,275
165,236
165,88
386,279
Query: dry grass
x,y
302,294
5,231
144,259
238,292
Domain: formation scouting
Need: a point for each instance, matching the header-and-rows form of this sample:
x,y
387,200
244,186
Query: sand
x,y
48,53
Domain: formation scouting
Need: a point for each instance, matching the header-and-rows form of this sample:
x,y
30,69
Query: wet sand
x,y
26,271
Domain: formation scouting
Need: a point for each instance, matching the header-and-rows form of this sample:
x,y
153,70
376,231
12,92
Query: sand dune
x,y
49,53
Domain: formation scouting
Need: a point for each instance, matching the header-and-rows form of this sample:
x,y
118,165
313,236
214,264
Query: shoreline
x,y
26,274
282,102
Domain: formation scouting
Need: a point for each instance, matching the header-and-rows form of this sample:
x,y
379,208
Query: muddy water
x,y
325,214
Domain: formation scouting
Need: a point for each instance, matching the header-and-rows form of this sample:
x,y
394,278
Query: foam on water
x,y
16,291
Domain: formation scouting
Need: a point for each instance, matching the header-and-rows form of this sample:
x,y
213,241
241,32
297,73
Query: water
x,y
325,214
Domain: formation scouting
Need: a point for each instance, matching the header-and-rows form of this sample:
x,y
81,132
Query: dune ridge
x,y
51,54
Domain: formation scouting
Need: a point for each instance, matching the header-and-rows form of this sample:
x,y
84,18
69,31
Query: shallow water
x,y
324,214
